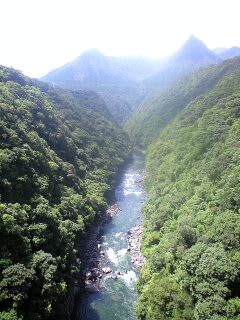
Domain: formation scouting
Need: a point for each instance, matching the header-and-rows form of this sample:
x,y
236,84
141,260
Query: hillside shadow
x,y
82,307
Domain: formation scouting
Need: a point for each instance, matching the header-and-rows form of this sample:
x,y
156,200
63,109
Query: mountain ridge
x,y
127,82
116,81
192,55
195,51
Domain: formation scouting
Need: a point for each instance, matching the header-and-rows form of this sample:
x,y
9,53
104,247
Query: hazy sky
x,y
39,35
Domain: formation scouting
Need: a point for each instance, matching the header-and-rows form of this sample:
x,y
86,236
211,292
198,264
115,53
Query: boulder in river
x,y
106,270
89,276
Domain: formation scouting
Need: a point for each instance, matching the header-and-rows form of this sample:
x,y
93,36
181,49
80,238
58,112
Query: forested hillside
x,y
148,121
60,152
192,228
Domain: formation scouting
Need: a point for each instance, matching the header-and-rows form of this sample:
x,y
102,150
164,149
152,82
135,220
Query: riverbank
x,y
135,234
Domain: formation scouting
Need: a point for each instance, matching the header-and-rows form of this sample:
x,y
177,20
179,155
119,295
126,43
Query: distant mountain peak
x,y
193,38
194,50
92,52
192,44
90,55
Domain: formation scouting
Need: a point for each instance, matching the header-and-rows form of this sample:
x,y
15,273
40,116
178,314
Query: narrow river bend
x,y
116,298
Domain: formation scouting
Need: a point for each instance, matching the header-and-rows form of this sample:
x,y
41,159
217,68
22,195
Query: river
x,y
116,298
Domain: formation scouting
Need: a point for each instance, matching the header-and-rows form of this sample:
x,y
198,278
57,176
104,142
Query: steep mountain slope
x,y
59,154
145,125
92,68
191,230
191,56
118,80
194,51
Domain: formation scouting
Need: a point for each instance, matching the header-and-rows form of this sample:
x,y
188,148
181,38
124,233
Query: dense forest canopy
x,y
59,154
191,231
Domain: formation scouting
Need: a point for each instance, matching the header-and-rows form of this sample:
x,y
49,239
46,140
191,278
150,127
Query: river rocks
x,y
106,270
112,210
95,256
95,272
92,276
134,243
88,275
88,282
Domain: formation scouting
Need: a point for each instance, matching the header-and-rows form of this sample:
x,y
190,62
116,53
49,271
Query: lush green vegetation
x,y
192,227
148,121
59,153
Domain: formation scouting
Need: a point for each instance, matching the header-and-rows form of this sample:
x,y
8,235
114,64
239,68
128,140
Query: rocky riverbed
x,y
112,257
134,244
96,256
92,254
